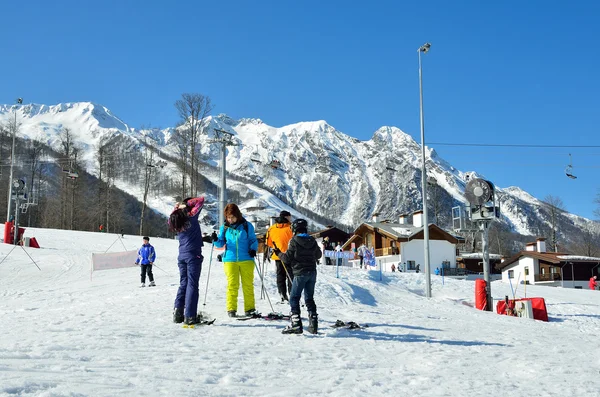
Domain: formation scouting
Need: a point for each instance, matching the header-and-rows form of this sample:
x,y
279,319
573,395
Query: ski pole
x,y
283,264
263,281
208,275
160,269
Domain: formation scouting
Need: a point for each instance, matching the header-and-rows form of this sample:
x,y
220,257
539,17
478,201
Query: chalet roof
x,y
327,229
406,232
555,258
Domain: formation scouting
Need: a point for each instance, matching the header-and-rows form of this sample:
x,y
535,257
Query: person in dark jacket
x,y
184,221
146,257
302,255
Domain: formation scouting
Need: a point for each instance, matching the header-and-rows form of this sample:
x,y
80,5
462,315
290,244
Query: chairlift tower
x,y
225,139
482,210
12,163
19,192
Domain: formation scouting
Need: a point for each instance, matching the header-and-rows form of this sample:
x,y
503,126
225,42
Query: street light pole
x,y
423,49
12,163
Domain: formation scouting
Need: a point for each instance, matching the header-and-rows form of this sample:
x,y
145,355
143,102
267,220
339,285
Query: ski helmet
x,y
299,224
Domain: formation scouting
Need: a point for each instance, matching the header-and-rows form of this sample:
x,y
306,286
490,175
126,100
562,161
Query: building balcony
x,y
548,277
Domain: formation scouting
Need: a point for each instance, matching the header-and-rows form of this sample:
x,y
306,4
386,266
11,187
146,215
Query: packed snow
x,y
67,334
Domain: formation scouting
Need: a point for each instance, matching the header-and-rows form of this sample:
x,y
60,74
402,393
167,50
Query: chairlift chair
x,y
73,174
569,169
275,164
255,156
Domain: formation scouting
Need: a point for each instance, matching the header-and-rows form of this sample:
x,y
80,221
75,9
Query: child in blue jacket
x,y
146,257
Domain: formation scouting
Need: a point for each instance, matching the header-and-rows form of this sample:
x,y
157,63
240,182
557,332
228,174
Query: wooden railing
x,y
386,251
547,277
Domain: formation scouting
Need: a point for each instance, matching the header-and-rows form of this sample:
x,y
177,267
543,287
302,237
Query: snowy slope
x,y
322,169
65,335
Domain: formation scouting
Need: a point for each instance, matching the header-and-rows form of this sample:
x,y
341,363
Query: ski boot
x,y
191,320
284,299
295,326
143,285
313,323
152,284
177,316
232,313
252,313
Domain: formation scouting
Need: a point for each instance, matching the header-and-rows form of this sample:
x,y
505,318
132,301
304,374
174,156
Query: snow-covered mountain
x,y
321,169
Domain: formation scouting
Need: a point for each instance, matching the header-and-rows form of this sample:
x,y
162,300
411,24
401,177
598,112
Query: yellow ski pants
x,y
234,271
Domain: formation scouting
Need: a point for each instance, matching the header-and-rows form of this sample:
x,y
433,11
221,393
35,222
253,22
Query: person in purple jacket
x,y
184,221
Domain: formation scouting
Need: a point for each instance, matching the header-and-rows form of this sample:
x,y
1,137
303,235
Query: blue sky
x,y
508,72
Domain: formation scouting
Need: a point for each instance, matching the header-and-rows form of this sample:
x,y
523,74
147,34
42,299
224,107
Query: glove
x,y
276,251
220,258
214,236
252,253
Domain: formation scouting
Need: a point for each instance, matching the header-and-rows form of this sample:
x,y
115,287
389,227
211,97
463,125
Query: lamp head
x,y
425,47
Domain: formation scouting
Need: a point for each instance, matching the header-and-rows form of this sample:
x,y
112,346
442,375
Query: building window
x,y
526,271
543,270
511,274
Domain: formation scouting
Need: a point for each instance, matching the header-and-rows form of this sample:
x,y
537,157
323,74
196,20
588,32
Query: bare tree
x,y
193,110
34,153
555,206
148,165
589,243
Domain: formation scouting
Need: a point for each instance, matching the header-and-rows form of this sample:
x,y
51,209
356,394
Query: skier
x,y
338,248
146,257
327,247
239,239
302,255
184,221
280,235
361,254
593,282
393,268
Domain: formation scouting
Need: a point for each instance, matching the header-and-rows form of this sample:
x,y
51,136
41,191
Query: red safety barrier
x,y
480,294
33,243
538,305
8,235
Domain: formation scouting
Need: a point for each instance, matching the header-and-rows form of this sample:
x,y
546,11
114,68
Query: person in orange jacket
x,y
279,235
593,282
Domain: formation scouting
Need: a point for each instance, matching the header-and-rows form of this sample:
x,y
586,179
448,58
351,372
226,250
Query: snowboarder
x,y
239,239
593,282
302,255
184,221
146,257
280,235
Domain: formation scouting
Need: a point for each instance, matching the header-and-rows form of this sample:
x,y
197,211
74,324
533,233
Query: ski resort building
x,y
535,265
401,244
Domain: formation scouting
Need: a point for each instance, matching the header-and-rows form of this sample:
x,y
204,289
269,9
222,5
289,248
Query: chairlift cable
x,y
512,145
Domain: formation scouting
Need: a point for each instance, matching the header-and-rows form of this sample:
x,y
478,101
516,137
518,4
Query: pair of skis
x,y
270,317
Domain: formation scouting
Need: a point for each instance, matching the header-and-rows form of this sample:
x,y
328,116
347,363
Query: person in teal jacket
x,y
239,239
